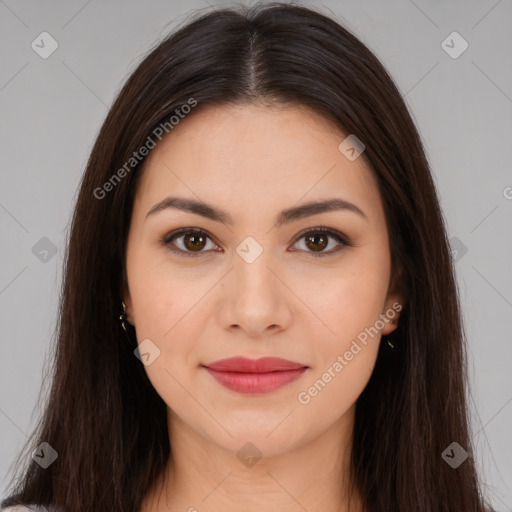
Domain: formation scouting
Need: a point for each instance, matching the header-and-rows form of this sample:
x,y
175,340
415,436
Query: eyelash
x,y
345,242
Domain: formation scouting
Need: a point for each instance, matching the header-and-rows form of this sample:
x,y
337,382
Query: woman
x,y
259,307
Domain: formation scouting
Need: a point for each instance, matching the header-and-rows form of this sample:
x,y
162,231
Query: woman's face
x,y
261,281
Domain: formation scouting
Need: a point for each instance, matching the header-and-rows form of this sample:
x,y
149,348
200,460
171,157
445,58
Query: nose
x,y
254,298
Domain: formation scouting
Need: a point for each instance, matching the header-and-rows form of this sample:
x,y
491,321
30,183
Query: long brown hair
x,y
104,418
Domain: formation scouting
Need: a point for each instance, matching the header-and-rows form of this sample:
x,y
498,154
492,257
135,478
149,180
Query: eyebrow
x,y
284,217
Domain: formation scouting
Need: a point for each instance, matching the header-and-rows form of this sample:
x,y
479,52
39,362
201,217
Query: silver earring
x,y
122,317
390,345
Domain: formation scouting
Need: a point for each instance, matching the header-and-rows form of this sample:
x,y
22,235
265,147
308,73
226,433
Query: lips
x,y
263,365
255,375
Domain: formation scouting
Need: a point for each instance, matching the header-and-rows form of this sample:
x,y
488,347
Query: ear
x,y
126,297
395,302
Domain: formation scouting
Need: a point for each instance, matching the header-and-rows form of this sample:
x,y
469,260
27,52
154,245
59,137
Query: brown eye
x,y
318,239
194,242
317,242
188,242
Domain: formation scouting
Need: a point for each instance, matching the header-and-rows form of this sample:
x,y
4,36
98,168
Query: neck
x,y
203,477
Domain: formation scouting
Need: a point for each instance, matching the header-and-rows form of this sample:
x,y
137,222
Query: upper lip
x,y
262,365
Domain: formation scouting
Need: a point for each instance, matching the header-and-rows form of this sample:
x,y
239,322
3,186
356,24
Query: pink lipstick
x,y
255,375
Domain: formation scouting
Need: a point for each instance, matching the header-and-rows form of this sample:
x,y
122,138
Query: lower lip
x,y
255,382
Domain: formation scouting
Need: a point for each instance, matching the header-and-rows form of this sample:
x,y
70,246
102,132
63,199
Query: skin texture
x,y
254,161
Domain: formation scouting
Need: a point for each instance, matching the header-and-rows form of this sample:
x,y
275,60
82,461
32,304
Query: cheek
x,y
168,311
162,296
171,308
350,303
346,353
344,360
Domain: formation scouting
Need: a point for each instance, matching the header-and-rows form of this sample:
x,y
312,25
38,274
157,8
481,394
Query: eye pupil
x,y
195,237
315,242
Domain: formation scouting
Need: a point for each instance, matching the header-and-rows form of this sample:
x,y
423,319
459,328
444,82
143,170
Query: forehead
x,y
253,156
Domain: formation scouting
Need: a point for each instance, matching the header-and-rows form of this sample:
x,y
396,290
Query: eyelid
x,y
340,237
324,229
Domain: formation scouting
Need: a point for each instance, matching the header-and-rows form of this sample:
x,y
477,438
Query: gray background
x,y
52,109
